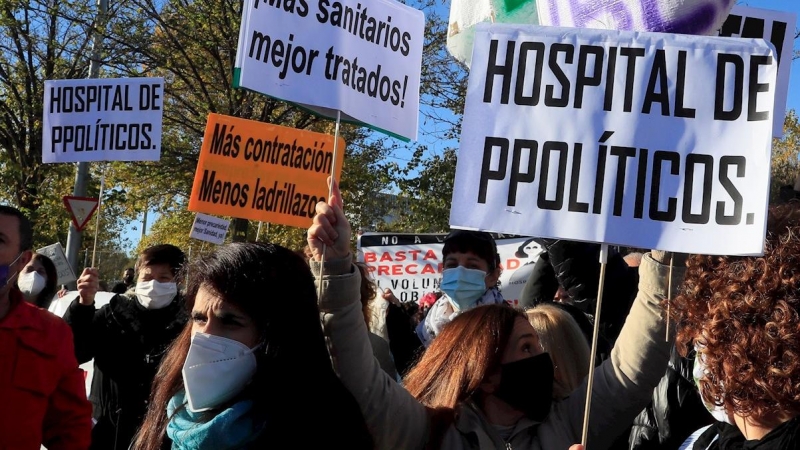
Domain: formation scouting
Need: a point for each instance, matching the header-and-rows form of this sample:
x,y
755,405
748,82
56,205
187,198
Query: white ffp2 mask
x,y
216,370
31,283
154,294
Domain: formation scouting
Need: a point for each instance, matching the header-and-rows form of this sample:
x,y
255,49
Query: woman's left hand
x,y
330,229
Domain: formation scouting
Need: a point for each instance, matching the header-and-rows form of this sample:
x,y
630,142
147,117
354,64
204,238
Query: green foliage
x,y
785,153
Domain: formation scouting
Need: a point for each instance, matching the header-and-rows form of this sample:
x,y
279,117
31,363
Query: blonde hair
x,y
561,337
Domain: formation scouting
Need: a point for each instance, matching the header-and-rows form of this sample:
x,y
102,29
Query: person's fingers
x,y
336,194
323,225
576,447
319,233
326,210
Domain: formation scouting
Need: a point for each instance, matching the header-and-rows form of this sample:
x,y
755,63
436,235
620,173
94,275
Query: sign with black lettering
x,y
641,139
259,171
778,28
411,264
102,119
209,228
362,59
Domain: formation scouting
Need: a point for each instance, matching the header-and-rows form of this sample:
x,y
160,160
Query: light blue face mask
x,y
699,371
463,286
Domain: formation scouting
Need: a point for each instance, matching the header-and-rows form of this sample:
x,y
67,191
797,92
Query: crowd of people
x,y
266,346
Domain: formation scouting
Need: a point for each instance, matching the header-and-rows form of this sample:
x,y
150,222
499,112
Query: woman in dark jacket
x,y
251,369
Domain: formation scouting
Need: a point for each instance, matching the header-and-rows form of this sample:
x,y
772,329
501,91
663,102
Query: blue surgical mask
x,y
5,270
463,286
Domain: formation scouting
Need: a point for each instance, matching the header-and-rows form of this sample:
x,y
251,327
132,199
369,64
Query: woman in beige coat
x,y
465,392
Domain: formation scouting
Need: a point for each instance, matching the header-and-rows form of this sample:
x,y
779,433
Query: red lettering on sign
x,y
430,254
370,257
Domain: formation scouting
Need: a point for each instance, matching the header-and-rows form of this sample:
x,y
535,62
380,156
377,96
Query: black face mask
x,y
527,385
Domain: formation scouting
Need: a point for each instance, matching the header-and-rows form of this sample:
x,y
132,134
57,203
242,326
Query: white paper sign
x,y
778,28
209,228
411,265
56,254
362,58
641,139
102,119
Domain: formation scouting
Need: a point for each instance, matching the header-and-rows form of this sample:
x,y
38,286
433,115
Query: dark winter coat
x,y
127,343
675,412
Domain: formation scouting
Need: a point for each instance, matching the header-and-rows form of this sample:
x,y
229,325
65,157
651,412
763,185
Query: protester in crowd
x,y
251,369
575,267
127,339
470,278
42,395
401,324
126,284
676,409
485,377
741,315
561,337
37,281
380,347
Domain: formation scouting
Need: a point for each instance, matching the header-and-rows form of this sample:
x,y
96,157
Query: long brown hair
x,y
294,386
466,351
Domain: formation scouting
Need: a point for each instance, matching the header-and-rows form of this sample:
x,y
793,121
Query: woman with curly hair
x,y
742,315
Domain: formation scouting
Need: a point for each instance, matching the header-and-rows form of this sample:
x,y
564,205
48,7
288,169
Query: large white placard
x,y
641,139
56,254
778,28
362,58
102,119
411,265
209,228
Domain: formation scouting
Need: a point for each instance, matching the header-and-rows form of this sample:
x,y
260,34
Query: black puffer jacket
x,y
127,343
675,412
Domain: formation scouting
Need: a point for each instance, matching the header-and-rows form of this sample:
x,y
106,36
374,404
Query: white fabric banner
x,y
362,58
778,28
411,264
209,228
640,139
102,119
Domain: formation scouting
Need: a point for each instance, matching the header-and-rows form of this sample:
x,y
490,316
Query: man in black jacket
x,y
127,339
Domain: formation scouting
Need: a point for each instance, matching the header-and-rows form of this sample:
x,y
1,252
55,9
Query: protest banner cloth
x,y
411,264
778,28
209,228
702,17
80,209
641,139
56,254
258,171
102,119
360,58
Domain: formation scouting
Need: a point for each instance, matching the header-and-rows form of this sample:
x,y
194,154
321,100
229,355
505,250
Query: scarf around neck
x,y
231,428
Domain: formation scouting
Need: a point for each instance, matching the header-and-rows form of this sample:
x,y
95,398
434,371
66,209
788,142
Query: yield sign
x,y
81,209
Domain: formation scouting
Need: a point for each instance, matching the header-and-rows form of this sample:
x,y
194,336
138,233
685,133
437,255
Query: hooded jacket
x,y
623,383
127,343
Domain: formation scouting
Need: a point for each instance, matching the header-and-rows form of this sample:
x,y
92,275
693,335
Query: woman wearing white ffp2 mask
x,y
251,362
37,281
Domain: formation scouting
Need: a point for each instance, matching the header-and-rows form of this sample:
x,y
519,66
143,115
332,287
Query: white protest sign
x,y
209,228
63,269
778,28
641,139
411,266
362,58
102,119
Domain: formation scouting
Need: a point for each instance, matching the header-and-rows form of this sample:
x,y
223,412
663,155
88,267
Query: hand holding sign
x,y
331,230
88,285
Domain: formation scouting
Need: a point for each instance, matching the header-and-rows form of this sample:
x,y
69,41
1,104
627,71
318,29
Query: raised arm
x,y
394,417
624,383
80,316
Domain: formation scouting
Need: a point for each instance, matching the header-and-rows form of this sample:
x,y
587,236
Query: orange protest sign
x,y
254,170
